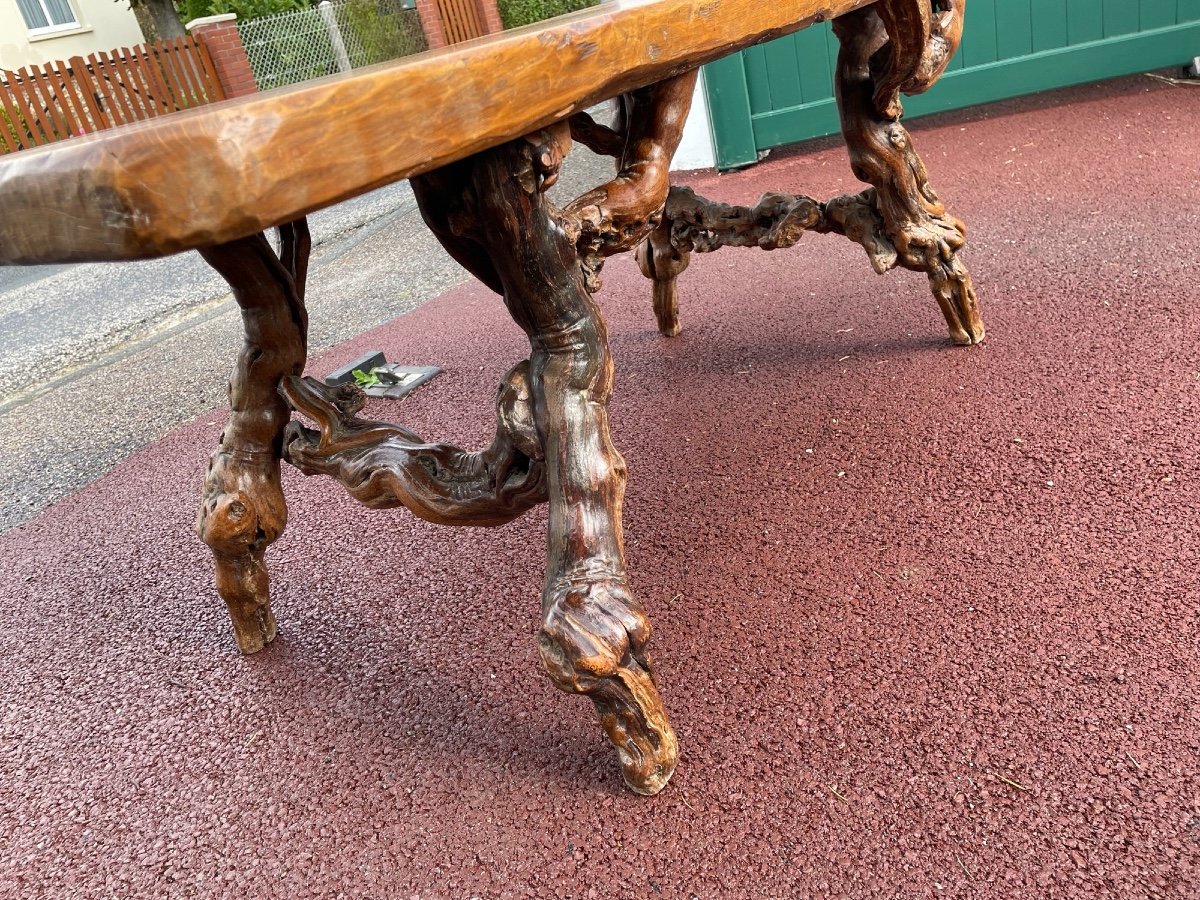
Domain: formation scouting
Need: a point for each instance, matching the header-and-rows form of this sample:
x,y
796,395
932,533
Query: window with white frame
x,y
45,16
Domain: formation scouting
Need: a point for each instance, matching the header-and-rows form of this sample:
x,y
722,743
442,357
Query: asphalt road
x,y
97,360
56,319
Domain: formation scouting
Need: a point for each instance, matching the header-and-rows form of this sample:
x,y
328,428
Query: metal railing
x,y
290,47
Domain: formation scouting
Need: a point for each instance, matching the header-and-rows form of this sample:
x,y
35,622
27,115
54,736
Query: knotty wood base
x,y
899,221
553,444
243,509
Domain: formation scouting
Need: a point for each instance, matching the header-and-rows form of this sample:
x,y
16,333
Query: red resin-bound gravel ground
x,y
926,616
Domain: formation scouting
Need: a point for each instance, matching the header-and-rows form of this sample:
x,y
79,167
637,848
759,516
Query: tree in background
x,y
166,17
522,12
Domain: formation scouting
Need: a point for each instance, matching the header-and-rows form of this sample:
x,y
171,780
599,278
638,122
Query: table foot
x,y
243,509
593,641
894,46
491,212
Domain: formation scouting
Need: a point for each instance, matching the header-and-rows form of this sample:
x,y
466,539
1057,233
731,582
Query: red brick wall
x,y
431,22
435,32
491,15
229,56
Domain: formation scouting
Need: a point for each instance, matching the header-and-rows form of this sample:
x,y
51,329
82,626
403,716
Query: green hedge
x,y
522,12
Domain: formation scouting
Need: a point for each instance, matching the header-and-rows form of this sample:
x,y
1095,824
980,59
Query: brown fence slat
x,y
68,105
193,73
477,27
104,89
451,20
103,92
136,87
37,91
213,86
110,88
167,75
39,125
87,90
139,83
11,137
468,25
118,79
127,75
454,26
190,91
106,74
27,131
162,95
472,27
461,19
179,85
50,106
68,97
140,67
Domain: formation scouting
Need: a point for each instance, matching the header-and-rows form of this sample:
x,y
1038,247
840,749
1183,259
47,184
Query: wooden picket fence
x,y
44,104
461,20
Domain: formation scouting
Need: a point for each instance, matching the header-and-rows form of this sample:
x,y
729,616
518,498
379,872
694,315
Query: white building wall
x,y
696,149
103,25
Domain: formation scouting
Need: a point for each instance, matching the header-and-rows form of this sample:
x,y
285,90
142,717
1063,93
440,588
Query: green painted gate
x,y
782,92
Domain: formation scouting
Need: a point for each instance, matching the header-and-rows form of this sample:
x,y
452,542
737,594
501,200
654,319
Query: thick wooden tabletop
x,y
234,168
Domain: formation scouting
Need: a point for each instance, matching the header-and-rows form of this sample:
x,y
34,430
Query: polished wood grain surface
x,y
237,167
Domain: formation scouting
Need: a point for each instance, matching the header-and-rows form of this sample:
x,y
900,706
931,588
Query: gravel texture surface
x,y
926,616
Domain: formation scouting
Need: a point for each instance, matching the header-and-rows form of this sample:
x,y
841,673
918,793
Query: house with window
x,y
40,31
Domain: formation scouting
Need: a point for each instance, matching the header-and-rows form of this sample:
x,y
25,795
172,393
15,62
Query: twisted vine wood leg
x,y
492,213
243,510
905,45
890,47
384,465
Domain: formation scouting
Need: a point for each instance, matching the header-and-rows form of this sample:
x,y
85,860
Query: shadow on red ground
x,y
926,616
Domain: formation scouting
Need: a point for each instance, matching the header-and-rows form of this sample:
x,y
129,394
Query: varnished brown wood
x,y
394,121
491,212
243,510
484,194
899,222
926,237
384,465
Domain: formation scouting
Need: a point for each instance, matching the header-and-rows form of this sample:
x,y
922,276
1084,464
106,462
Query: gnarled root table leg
x,y
491,212
243,509
892,46
905,45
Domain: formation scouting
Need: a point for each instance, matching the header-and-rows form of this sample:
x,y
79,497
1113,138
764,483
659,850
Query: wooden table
x,y
482,129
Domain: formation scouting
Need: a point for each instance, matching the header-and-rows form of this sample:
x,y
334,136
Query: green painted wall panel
x,y
783,92
1120,17
1085,21
1014,27
758,81
979,34
784,73
1048,21
1157,14
729,112
816,67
